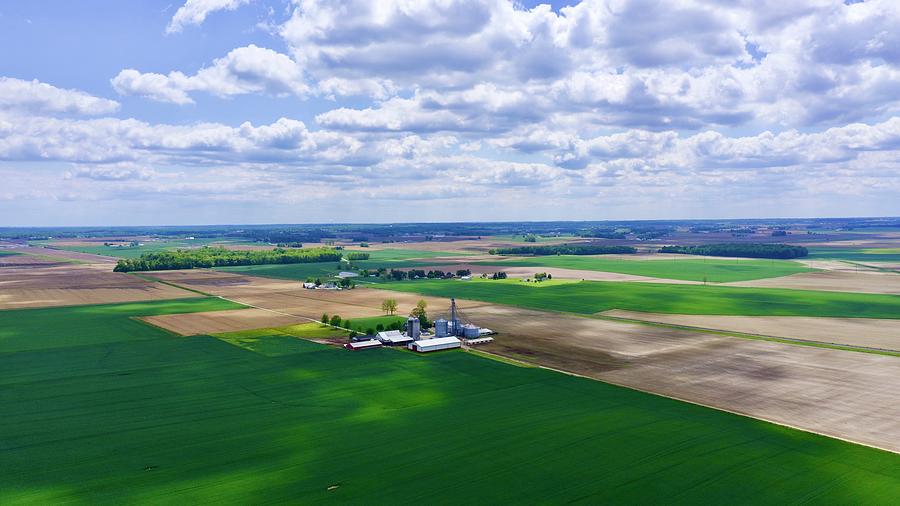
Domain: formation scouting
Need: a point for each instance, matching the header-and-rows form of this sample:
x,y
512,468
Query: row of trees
x,y
564,249
399,275
219,257
748,250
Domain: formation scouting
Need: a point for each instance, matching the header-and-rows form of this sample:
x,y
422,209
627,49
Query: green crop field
x,y
27,329
855,254
5,253
109,414
298,272
589,297
360,325
714,270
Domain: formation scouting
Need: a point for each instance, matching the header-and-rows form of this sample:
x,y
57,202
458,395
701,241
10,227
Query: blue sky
x,y
255,111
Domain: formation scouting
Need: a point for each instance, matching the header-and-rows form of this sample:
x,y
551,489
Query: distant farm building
x,y
435,344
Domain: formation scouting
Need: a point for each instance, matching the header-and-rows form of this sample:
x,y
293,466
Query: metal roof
x,y
393,336
365,344
437,341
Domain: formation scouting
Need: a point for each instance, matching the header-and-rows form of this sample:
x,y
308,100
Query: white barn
x,y
438,343
362,345
393,337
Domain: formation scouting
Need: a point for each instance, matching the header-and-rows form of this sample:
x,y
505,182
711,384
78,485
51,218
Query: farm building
x,y
363,345
480,340
393,338
435,344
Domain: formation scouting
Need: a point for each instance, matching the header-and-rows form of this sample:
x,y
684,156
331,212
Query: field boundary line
x,y
756,337
696,403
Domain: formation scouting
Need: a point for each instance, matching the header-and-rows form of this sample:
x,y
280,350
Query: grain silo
x,y
470,331
413,328
441,328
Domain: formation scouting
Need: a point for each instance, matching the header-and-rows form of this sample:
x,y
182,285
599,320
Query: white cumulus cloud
x,y
194,12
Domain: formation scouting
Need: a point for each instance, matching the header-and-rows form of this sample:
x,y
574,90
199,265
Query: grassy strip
x,y
502,359
156,280
713,270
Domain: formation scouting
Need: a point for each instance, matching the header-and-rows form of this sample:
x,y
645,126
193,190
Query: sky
x,y
315,111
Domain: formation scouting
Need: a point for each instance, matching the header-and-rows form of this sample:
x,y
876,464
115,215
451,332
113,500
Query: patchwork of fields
x,y
588,297
99,407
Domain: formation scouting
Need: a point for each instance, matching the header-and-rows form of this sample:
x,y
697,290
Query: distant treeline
x,y
356,255
564,249
219,257
749,250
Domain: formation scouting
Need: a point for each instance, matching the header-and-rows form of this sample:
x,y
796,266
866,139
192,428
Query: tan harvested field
x,y
221,321
836,281
861,332
845,394
67,255
28,281
291,298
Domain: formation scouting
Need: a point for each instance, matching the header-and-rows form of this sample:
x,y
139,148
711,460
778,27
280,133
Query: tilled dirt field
x,y
27,281
69,255
213,322
845,394
836,281
863,332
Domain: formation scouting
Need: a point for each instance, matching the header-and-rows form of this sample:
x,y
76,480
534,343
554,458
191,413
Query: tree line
x,y
564,249
219,257
748,250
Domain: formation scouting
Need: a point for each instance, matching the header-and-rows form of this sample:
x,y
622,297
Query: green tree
x,y
335,321
389,306
325,318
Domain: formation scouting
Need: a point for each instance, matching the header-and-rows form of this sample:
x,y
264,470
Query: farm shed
x,y
363,345
393,337
438,343
480,340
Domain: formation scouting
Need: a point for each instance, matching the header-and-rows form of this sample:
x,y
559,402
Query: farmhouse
x,y
434,344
